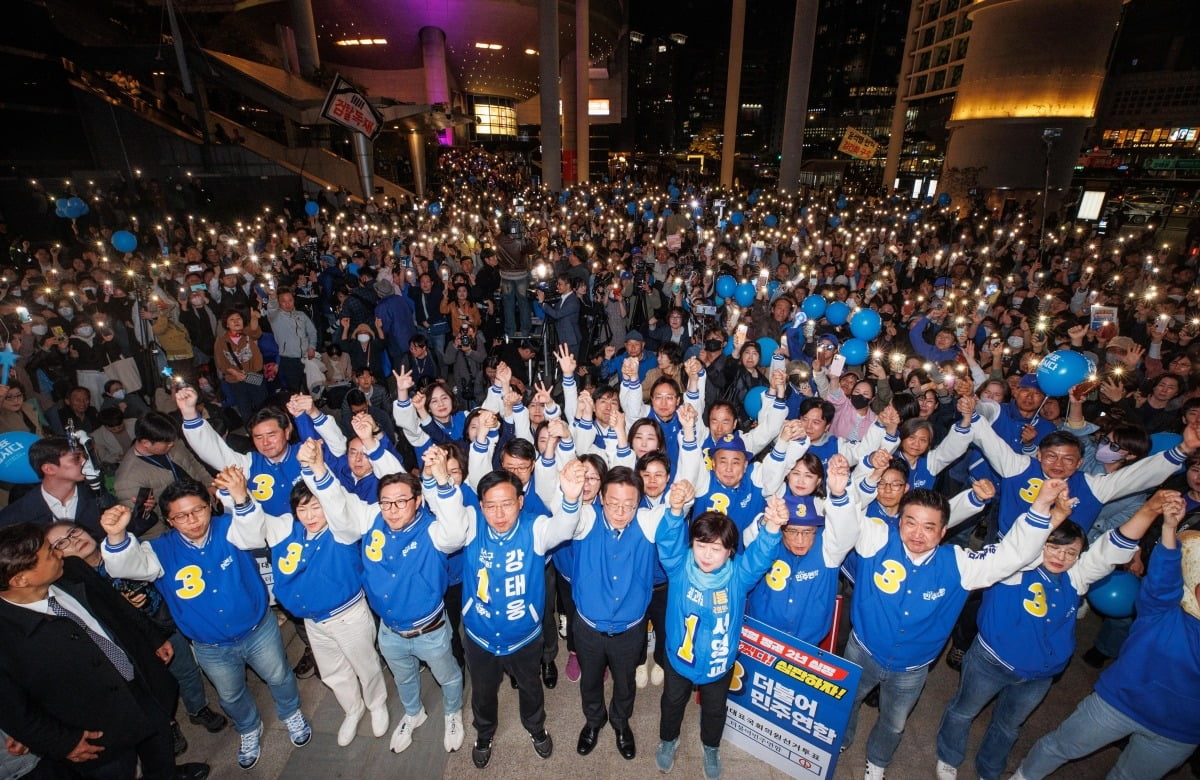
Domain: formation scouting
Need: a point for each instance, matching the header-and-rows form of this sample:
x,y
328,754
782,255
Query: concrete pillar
x,y
566,96
416,151
1022,78
306,35
804,30
548,94
364,156
437,82
891,165
583,61
733,87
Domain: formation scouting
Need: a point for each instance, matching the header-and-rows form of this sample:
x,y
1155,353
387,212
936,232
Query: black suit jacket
x,y
32,508
55,682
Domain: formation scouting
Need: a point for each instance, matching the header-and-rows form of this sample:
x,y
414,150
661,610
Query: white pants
x,y
344,647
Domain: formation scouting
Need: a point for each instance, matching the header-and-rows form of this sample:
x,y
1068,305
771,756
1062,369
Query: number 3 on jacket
x,y
890,578
191,583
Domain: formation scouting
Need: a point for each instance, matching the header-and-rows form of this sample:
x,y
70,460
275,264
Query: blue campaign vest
x,y
797,595
1018,493
404,574
504,587
618,571
315,577
903,613
1030,626
271,483
214,592
919,476
874,510
826,449
671,429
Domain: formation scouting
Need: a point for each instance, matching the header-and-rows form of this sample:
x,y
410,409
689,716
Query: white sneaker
x,y
379,720
402,736
562,626
349,728
641,676
454,732
945,771
656,674
873,772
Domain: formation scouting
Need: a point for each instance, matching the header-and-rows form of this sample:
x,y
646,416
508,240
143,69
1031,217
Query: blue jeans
x,y
185,671
898,694
262,651
404,658
982,679
1094,724
516,305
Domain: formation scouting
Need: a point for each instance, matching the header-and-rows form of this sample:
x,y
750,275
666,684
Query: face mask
x,y
1017,301
16,292
39,330
41,300
363,338
85,331
1176,298
119,395
1108,454
940,292
197,300
860,401
1016,342
66,311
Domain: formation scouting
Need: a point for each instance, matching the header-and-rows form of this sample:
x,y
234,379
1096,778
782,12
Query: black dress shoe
x,y
587,739
625,744
512,681
191,771
1095,659
481,754
180,743
210,720
542,744
306,667
549,674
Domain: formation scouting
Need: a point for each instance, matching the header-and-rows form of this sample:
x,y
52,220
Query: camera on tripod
x,y
641,274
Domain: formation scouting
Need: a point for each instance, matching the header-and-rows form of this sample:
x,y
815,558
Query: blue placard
x,y
789,702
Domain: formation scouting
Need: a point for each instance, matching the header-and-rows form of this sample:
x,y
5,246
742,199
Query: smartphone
x,y
23,313
58,331
139,504
195,269
838,365
874,288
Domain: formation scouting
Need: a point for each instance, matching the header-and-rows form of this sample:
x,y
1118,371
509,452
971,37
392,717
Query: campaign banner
x,y
346,106
789,702
858,144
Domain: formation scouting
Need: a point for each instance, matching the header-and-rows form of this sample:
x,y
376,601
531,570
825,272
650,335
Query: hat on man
x,y
1030,381
634,335
731,442
384,288
1120,342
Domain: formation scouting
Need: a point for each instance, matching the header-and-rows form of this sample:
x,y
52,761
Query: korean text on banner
x,y
789,702
349,108
857,144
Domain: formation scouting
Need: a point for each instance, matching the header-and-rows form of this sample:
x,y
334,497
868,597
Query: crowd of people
x,y
469,432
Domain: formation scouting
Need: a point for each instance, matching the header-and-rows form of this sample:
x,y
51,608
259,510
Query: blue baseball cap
x,y
731,442
1030,381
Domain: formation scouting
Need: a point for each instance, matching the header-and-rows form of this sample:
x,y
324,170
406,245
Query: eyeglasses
x,y
1053,457
665,397
625,506
1070,553
499,506
397,503
197,512
518,467
892,485
803,533
67,540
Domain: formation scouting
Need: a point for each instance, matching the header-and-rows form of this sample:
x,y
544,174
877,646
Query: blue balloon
x,y
841,203
78,210
312,208
804,211
814,306
435,208
631,208
720,301
744,294
697,213
729,347
771,220
772,288
737,218
75,203
766,348
62,203
927,200
647,205
913,216
856,351
837,313
726,284
124,241
865,324
1061,370
835,221
943,200
14,457
753,198
667,213
673,192
1115,595
753,402
648,216
721,225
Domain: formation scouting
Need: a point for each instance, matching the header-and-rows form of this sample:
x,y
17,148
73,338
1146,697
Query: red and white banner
x,y
349,108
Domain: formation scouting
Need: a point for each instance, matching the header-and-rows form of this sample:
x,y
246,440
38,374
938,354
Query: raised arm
x,y
348,516
124,556
549,532
1023,543
996,451
204,441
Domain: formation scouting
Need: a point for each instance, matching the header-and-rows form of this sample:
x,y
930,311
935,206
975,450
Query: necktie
x,y
114,653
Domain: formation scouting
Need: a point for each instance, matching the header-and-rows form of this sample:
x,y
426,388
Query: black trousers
x,y
566,606
677,689
156,752
487,672
549,622
617,652
291,370
657,614
453,602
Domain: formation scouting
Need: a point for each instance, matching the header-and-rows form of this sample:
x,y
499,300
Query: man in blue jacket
x,y
1150,694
